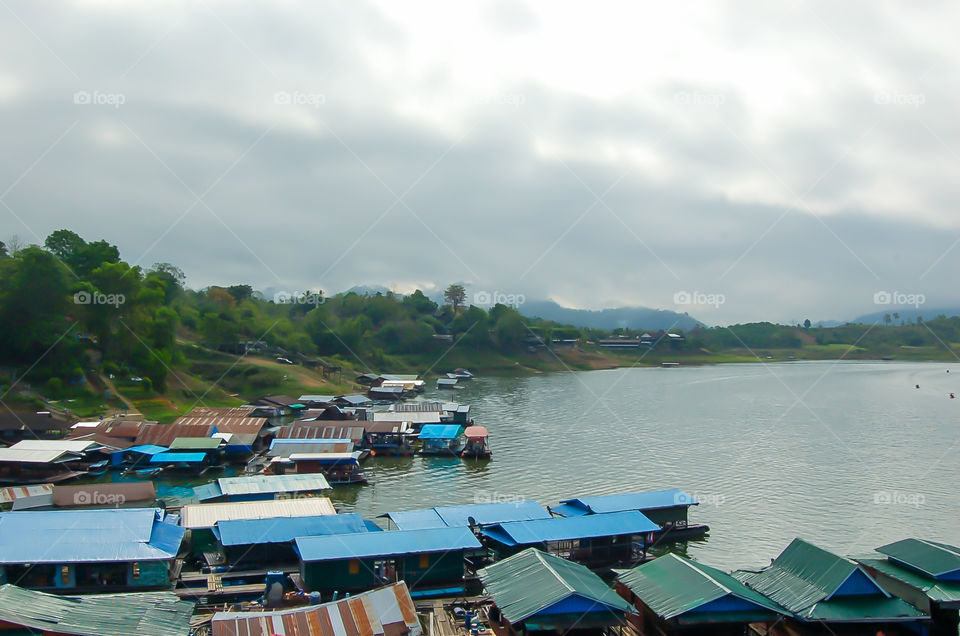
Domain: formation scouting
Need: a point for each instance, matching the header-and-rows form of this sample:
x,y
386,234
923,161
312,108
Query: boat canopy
x,y
476,432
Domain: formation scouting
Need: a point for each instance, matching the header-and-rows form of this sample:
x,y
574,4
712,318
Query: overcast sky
x,y
791,160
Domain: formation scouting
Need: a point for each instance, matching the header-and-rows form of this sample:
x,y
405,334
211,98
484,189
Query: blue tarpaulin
x,y
87,536
441,431
286,529
568,529
376,544
627,501
146,449
178,458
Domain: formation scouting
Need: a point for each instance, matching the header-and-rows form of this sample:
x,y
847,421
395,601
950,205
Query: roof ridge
x,y
556,574
692,565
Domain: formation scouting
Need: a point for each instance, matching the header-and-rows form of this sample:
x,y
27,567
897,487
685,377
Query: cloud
x,y
795,160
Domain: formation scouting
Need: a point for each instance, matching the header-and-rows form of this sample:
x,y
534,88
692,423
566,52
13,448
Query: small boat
x,y
478,445
98,468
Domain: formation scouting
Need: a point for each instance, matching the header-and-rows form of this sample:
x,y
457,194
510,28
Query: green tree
x,y
3,250
455,295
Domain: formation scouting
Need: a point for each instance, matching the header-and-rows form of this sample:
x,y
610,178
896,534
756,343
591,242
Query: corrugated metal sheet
x,y
74,536
496,512
566,529
947,593
476,432
389,427
126,429
322,430
178,458
419,407
672,585
641,501
240,425
937,560
153,613
207,515
33,456
531,581
8,495
416,519
285,530
205,443
147,449
387,611
288,447
260,484
441,431
68,445
417,417
164,434
374,544
221,411
129,491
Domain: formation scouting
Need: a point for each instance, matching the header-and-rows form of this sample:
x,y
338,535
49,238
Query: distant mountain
x,y
633,317
906,314
368,290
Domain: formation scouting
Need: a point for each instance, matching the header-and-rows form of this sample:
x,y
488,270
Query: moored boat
x,y
478,444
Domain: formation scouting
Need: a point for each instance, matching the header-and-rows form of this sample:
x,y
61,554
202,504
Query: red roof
x,y
476,431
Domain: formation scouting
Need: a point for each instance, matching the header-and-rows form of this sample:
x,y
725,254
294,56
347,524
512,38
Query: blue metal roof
x,y
146,449
459,516
496,512
628,501
375,544
441,431
87,536
286,529
565,529
205,492
416,519
178,458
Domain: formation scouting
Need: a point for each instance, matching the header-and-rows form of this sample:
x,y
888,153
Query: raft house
x,y
389,438
261,488
89,550
432,561
824,593
469,515
674,595
534,591
615,539
924,573
441,439
667,508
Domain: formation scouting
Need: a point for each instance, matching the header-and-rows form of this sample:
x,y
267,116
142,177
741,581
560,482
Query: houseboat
x,y
441,439
389,438
478,445
338,468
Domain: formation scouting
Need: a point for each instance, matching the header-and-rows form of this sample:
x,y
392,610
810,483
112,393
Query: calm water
x,y
810,449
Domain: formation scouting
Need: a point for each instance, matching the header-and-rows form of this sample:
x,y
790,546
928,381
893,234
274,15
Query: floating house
x,y
353,400
208,445
386,392
338,468
153,434
194,463
126,494
924,573
284,447
535,591
200,519
269,542
10,494
131,614
135,457
16,426
447,383
324,429
96,550
478,443
428,558
261,488
316,401
674,595
441,439
386,611
34,461
827,593
668,508
277,405
479,515
605,540
389,438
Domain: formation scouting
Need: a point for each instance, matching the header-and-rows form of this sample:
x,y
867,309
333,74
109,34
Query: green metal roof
x,y
154,613
531,581
943,592
672,585
182,443
804,579
933,559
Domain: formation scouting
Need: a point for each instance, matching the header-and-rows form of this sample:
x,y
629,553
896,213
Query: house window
x,y
354,566
136,571
65,574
